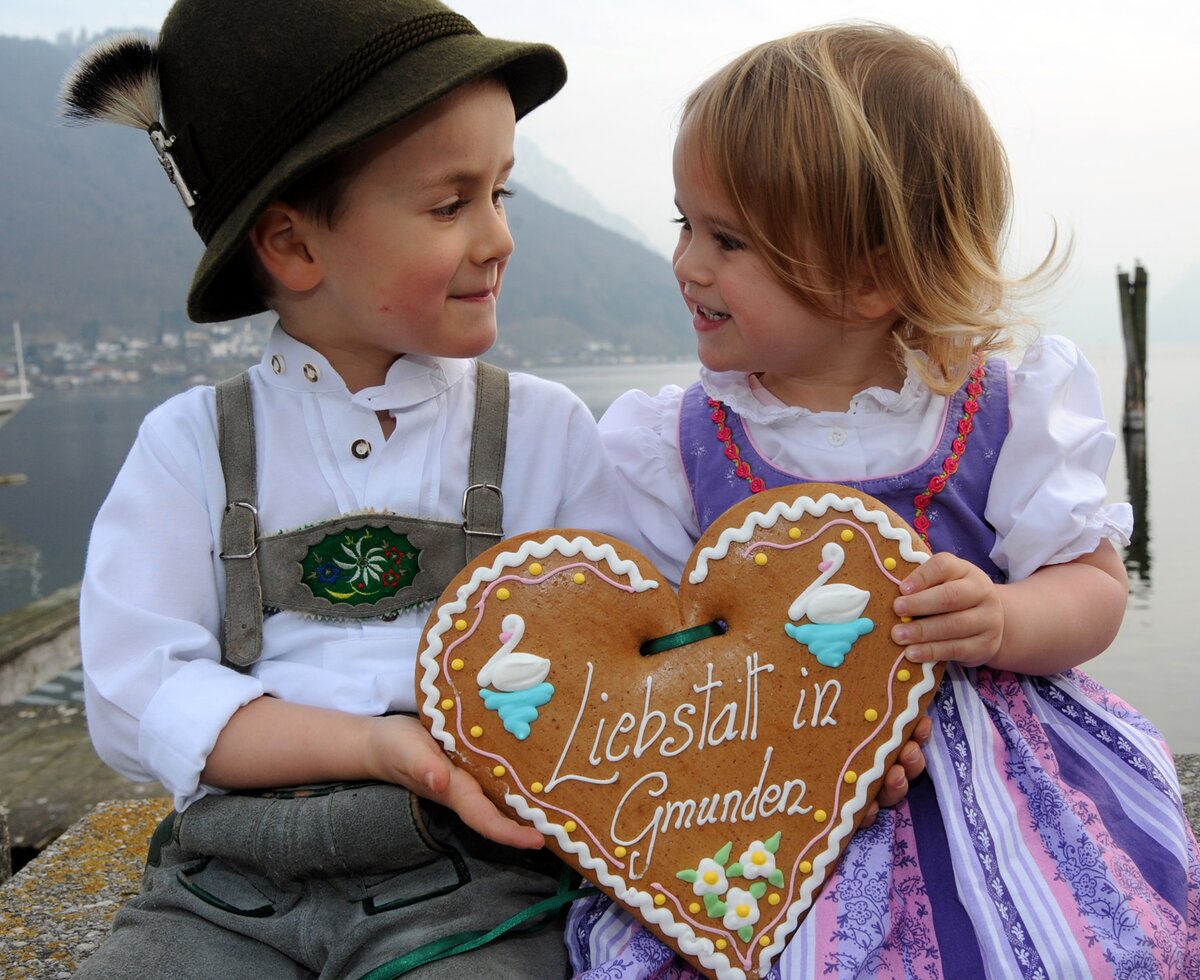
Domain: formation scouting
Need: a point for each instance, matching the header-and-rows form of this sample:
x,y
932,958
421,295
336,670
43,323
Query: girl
x,y
843,199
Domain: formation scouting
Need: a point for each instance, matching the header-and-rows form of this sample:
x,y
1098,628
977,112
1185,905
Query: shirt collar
x,y
412,379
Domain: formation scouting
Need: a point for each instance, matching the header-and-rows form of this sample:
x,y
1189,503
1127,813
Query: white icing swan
x,y
836,603
509,669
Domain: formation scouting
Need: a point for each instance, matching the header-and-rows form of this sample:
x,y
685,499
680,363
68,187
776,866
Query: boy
x,y
345,162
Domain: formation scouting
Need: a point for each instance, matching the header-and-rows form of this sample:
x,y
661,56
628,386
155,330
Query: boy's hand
x,y
956,613
909,765
401,751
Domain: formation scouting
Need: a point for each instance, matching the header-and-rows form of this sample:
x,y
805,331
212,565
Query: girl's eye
x,y
682,222
727,243
500,194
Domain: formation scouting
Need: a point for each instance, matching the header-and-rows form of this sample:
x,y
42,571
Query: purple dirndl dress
x,y
1047,839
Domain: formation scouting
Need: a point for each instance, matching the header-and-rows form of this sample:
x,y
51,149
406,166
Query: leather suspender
x,y
445,547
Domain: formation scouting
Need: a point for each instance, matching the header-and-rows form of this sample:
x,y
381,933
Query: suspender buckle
x,y
500,503
253,527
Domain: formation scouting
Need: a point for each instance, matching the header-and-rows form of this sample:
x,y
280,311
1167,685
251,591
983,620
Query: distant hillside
x,y
92,234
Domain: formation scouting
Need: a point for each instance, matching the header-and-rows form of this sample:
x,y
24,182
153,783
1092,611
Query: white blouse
x,y
157,696
1046,500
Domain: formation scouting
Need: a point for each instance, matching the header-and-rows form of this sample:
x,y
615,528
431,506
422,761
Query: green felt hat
x,y
256,92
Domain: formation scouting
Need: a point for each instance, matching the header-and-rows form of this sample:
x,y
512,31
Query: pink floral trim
x,y
732,453
959,446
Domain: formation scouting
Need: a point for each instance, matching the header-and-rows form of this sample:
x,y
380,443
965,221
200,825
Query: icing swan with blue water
x,y
518,677
834,612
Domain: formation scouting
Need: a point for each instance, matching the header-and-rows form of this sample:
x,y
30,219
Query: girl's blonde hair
x,y
856,153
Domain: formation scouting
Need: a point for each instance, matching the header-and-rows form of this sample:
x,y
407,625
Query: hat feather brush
x,y
116,80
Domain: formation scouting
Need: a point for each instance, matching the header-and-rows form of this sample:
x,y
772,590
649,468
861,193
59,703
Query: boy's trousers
x,y
329,882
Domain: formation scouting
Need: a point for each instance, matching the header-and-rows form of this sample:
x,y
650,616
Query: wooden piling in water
x,y
1132,294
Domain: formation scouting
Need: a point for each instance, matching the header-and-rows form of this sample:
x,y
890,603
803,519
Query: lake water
x,y
70,446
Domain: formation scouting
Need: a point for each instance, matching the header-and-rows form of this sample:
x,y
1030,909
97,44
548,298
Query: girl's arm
x,y
1057,618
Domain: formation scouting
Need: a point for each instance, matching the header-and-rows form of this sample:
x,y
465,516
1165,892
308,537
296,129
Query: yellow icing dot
x,y
498,770
742,911
710,877
889,564
660,899
902,674
871,714
476,731
570,826
694,908
847,535
502,594
447,704
765,941
760,559
794,533
774,899
820,816
535,568
620,852
578,578
537,787
720,944
851,776
805,867
460,624
906,619
457,664
759,858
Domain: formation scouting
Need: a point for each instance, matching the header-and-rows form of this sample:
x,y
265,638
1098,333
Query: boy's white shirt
x,y
1046,500
153,587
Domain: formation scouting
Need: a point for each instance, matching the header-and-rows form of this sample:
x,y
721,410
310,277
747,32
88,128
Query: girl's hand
x,y
401,751
956,613
909,765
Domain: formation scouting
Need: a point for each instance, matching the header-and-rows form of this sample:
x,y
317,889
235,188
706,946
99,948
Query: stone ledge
x,y
38,642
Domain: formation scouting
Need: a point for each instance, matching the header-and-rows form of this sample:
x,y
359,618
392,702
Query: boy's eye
x,y
682,222
450,210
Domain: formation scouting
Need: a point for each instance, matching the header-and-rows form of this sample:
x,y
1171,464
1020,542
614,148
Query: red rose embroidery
x,y
757,485
937,484
950,465
742,469
921,523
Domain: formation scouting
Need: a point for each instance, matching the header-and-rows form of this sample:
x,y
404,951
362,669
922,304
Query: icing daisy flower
x,y
710,878
741,910
757,861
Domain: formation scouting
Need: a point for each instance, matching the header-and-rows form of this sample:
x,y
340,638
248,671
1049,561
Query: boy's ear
x,y
279,238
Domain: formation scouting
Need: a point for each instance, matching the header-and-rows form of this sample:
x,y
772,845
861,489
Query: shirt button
x,y
360,449
837,437
311,373
277,364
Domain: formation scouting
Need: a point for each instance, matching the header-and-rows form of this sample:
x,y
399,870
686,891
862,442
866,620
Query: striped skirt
x,y
1048,840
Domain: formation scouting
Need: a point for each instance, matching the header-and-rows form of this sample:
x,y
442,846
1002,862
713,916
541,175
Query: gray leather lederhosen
x,y
264,570
348,880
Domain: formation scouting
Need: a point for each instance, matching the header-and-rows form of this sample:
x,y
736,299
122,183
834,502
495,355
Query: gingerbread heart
x,y
702,756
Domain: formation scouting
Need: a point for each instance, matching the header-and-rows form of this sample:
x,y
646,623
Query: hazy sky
x,y
1097,103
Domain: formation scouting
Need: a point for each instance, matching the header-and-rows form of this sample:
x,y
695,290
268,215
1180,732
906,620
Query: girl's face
x,y
745,318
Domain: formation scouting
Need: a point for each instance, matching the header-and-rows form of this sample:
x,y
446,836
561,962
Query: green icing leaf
x,y
746,933
723,854
688,875
776,878
759,889
772,843
735,870
714,906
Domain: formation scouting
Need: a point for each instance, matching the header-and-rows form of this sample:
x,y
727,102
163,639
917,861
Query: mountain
x,y
95,242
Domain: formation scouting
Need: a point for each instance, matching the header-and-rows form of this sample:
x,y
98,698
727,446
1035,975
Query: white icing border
x,y
531,550
797,509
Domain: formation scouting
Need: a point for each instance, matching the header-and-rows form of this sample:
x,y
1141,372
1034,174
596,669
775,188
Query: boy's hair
x,y
857,152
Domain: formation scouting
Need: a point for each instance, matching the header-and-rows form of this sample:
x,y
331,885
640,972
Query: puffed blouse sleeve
x,y
641,435
1047,498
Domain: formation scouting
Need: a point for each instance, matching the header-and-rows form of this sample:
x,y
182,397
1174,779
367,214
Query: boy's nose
x,y
494,243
